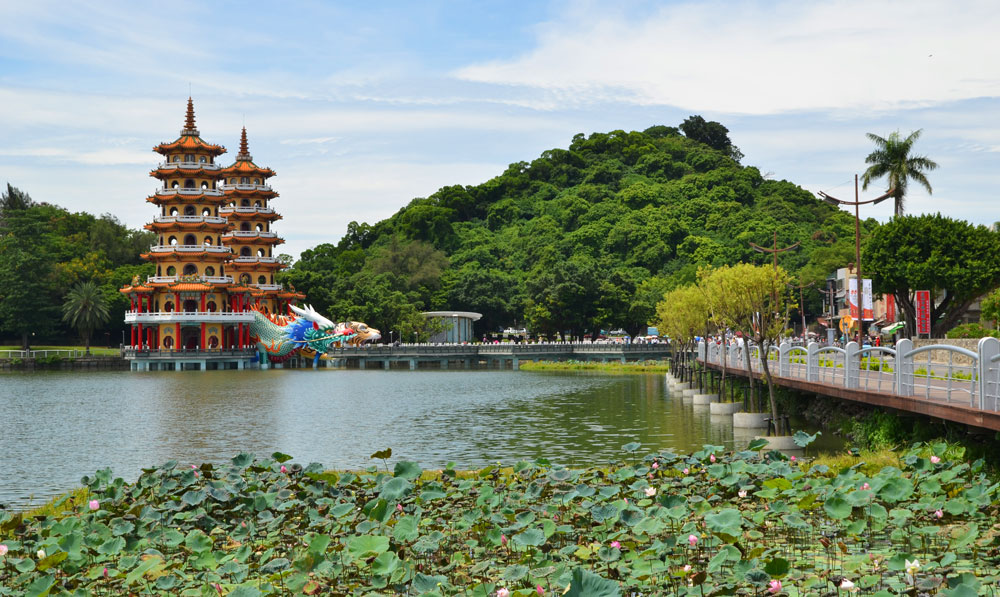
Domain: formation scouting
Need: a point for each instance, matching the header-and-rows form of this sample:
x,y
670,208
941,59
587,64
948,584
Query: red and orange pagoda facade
x,y
214,258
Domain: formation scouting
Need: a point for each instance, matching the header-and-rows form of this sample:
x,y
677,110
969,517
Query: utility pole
x,y
774,251
802,303
857,241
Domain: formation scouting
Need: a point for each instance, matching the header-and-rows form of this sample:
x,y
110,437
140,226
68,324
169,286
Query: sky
x,y
362,107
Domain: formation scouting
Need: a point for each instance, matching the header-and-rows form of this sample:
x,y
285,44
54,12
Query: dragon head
x,y
364,333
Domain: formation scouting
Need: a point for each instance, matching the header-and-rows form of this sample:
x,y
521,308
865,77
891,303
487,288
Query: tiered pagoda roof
x,y
190,138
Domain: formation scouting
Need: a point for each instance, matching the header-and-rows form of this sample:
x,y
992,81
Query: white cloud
x,y
757,57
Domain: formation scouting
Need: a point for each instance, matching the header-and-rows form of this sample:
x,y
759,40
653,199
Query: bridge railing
x,y
961,376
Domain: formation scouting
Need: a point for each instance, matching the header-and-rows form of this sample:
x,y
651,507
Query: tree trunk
x,y
86,345
24,341
725,361
754,403
778,427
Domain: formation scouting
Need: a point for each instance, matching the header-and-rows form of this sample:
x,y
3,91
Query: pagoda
x,y
249,234
191,313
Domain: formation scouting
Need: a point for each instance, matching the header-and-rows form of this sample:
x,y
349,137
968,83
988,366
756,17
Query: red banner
x,y
852,297
923,312
890,308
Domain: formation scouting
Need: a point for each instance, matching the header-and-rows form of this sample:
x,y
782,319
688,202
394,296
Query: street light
x,y
414,337
390,337
857,237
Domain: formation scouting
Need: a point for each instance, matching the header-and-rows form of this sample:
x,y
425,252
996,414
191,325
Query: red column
x,y
239,341
203,346
133,336
177,339
140,303
149,337
149,303
203,302
140,335
177,302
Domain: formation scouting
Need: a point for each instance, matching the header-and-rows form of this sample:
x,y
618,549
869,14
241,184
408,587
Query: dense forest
x,y
578,240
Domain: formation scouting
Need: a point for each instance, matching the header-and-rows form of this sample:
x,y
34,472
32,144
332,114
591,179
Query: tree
x,y
990,308
14,199
892,159
85,309
711,133
953,259
683,314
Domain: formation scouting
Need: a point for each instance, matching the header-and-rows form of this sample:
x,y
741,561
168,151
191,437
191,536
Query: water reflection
x,y
56,427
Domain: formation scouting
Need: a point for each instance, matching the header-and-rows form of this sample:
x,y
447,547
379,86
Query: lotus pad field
x,y
709,523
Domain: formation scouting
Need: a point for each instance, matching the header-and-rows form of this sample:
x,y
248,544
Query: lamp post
x,y
414,337
857,239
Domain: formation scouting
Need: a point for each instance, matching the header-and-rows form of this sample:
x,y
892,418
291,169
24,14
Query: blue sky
x,y
360,107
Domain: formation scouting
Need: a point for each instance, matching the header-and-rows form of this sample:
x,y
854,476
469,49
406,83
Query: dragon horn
x,y
310,314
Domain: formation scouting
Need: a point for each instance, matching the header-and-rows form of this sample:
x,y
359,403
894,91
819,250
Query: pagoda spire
x,y
244,154
189,128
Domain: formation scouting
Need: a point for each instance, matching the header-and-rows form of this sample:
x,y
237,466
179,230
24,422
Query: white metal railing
x,y
961,376
268,286
189,249
264,211
182,191
250,234
245,187
189,219
245,259
37,354
188,166
172,279
189,317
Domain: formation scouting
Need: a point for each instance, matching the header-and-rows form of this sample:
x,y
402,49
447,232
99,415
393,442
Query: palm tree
x,y
892,158
85,309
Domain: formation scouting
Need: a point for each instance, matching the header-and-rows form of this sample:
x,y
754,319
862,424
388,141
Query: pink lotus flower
x,y
503,539
938,514
686,471
866,487
399,507
774,587
501,592
742,493
616,545
94,504
692,540
935,459
3,550
650,491
283,469
711,458
687,567
193,466
656,465
105,572
793,460
218,588
540,590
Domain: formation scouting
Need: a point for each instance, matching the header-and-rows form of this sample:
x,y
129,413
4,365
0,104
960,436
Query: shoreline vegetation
x,y
651,366
706,523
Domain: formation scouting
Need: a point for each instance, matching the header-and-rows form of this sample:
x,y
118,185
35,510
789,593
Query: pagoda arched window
x,y
190,269
168,342
257,204
211,306
245,227
177,158
210,271
172,241
260,252
189,239
204,186
189,210
245,279
208,240
173,210
174,185
190,306
213,342
245,180
171,271
245,252
260,228
232,180
262,279
189,157
189,183
256,181
202,159
206,212
169,306
245,203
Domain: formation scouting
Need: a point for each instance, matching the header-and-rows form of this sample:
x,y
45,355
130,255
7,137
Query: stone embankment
x,y
92,362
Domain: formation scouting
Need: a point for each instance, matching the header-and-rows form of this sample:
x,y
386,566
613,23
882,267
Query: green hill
x,y
577,240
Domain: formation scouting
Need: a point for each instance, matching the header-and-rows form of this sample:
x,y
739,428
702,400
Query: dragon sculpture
x,y
281,337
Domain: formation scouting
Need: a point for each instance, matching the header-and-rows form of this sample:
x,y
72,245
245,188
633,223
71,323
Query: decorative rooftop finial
x,y
189,120
244,153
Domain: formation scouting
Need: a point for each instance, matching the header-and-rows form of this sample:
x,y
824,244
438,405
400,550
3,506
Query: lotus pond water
x,y
752,522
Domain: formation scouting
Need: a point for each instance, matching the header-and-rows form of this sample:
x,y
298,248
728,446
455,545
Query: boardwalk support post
x,y
852,365
904,367
812,361
989,382
784,363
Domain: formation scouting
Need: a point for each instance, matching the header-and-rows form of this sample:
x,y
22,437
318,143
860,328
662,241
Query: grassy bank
x,y
707,523
618,367
94,350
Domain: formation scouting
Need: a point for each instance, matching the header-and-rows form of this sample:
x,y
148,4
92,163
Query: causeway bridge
x,y
942,381
499,356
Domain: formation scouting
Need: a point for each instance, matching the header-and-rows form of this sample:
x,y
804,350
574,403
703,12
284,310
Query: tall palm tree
x,y
85,309
892,158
